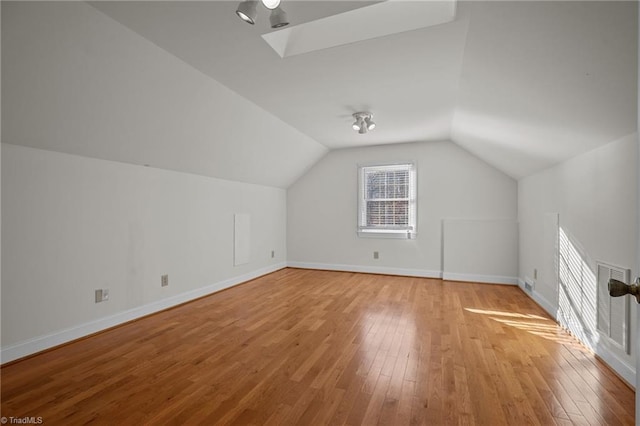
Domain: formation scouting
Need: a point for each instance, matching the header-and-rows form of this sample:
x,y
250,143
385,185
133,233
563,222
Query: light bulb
x,y
370,124
271,4
359,123
278,18
247,11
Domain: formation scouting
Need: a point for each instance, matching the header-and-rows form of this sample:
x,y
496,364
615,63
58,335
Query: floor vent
x,y
528,285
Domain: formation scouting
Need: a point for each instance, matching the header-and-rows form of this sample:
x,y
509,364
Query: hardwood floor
x,y
316,347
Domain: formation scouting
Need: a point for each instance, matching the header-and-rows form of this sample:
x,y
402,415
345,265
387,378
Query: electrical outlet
x,y
164,280
273,254
376,255
102,295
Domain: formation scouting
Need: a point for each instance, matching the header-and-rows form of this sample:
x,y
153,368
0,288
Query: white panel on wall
x,y
242,239
483,250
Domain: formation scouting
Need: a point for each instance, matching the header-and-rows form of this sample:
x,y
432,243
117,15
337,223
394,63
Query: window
x,y
387,201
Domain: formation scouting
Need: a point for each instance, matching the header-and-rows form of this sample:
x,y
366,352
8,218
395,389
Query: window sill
x,y
398,235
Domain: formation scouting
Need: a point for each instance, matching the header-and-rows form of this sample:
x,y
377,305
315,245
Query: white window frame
x,y
408,231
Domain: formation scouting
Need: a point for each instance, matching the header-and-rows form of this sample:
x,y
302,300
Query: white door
x,y
638,310
638,307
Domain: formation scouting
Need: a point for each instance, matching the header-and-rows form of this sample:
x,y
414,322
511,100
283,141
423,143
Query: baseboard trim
x,y
549,307
489,279
423,273
41,343
625,371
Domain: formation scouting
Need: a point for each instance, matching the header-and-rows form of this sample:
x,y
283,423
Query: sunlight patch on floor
x,y
533,324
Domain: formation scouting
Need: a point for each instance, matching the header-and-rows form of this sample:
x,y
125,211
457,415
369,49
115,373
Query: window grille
x,y
387,203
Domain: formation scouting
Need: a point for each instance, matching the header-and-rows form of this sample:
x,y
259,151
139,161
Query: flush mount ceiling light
x,y
364,122
247,12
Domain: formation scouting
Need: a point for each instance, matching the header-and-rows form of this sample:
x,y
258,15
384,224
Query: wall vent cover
x,y
613,312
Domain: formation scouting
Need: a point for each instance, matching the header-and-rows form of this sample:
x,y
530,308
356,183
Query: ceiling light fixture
x,y
364,122
278,18
370,124
247,12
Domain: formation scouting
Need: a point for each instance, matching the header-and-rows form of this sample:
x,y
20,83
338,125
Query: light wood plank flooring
x,y
317,347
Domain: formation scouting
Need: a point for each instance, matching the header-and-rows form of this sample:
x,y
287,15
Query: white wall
x,y
322,206
0,183
73,224
78,82
595,196
638,240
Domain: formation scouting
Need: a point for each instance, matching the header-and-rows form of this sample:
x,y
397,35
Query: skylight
x,y
377,20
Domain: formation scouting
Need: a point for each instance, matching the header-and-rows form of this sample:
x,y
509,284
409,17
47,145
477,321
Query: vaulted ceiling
x,y
522,85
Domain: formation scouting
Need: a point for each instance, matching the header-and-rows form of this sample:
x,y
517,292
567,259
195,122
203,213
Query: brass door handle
x,y
618,288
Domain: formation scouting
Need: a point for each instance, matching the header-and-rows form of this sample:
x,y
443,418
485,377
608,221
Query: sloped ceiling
x,y
77,82
544,81
522,85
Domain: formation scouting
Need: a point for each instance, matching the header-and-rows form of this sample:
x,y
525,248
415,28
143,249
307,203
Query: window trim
x,y
403,232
